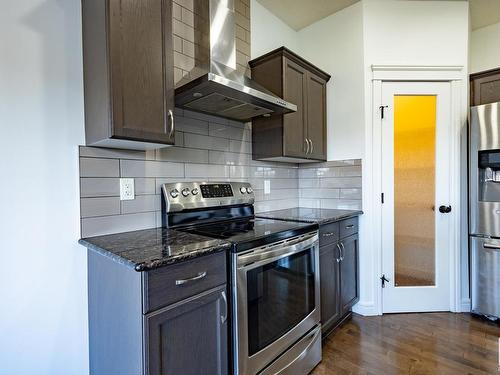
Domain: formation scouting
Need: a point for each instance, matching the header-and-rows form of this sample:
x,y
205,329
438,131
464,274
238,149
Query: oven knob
x,y
243,190
185,192
174,193
194,191
249,190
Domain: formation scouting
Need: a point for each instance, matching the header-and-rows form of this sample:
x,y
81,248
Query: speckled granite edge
x,y
108,254
320,221
340,217
155,263
181,257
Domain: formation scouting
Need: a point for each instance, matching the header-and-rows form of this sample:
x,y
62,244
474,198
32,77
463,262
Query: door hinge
x,y
384,280
382,110
382,198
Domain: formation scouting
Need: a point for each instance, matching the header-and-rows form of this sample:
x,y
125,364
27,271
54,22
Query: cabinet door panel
x,y
141,60
485,88
329,286
349,288
294,91
316,116
190,337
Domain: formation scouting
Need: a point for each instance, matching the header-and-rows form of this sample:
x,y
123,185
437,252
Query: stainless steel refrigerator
x,y
484,203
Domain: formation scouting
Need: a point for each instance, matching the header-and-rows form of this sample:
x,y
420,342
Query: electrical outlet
x,y
127,189
267,186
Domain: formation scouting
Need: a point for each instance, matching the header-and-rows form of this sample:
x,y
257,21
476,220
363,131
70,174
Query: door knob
x,y
445,209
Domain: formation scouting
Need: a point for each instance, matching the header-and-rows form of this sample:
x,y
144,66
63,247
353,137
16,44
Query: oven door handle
x,y
299,352
266,255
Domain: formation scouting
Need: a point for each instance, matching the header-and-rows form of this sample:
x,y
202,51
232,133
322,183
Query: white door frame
x,y
456,77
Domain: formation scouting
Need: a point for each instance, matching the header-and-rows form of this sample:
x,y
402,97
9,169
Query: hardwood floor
x,y
430,343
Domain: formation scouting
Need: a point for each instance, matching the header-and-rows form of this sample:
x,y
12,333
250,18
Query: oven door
x,y
277,300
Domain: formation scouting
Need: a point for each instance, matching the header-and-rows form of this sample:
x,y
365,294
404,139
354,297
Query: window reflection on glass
x,y
414,189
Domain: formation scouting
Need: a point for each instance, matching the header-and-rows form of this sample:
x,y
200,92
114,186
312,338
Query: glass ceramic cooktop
x,y
238,231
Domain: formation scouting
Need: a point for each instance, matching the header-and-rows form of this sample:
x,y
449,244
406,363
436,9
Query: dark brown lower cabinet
x,y
349,284
168,321
330,286
339,275
189,337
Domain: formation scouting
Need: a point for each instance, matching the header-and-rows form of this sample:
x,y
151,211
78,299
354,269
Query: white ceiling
x,y
300,13
484,13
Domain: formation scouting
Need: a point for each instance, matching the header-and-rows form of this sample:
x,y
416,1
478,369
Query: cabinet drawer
x,y
174,283
348,227
328,234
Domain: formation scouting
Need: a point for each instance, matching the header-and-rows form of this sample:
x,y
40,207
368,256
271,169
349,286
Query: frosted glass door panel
x,y
414,190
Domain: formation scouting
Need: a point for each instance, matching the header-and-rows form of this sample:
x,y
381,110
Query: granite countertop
x,y
148,249
310,215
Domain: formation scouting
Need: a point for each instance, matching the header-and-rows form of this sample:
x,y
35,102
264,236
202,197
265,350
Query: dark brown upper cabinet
x,y
485,87
298,136
128,73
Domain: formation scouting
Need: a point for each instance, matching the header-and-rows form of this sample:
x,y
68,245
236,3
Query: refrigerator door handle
x,y
491,246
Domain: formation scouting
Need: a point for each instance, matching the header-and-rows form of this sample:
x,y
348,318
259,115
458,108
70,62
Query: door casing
x,y
370,228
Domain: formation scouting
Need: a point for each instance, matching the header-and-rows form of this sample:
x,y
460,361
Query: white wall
x,y
268,32
416,32
43,318
335,44
407,33
484,50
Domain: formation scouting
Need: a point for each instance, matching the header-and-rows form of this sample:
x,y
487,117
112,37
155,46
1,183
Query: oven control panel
x,y
216,190
192,195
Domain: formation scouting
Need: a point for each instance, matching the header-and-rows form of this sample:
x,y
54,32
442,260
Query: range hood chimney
x,y
215,86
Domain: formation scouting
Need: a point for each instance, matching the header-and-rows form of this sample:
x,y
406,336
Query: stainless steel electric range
x,y
274,275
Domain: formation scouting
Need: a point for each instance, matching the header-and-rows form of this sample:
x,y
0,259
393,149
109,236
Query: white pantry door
x,y
416,216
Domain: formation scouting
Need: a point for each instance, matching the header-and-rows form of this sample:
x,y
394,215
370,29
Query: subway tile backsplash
x,y
333,184
207,148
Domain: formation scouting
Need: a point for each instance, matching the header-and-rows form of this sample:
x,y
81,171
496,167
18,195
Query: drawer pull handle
x,y
492,247
329,234
201,275
350,226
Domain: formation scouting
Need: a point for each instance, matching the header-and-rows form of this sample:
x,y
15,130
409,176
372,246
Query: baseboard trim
x,y
465,305
365,309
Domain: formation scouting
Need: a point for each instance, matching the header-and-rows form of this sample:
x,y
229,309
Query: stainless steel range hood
x,y
214,86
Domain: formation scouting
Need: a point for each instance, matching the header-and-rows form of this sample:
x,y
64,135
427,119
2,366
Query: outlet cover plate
x,y
267,187
127,189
